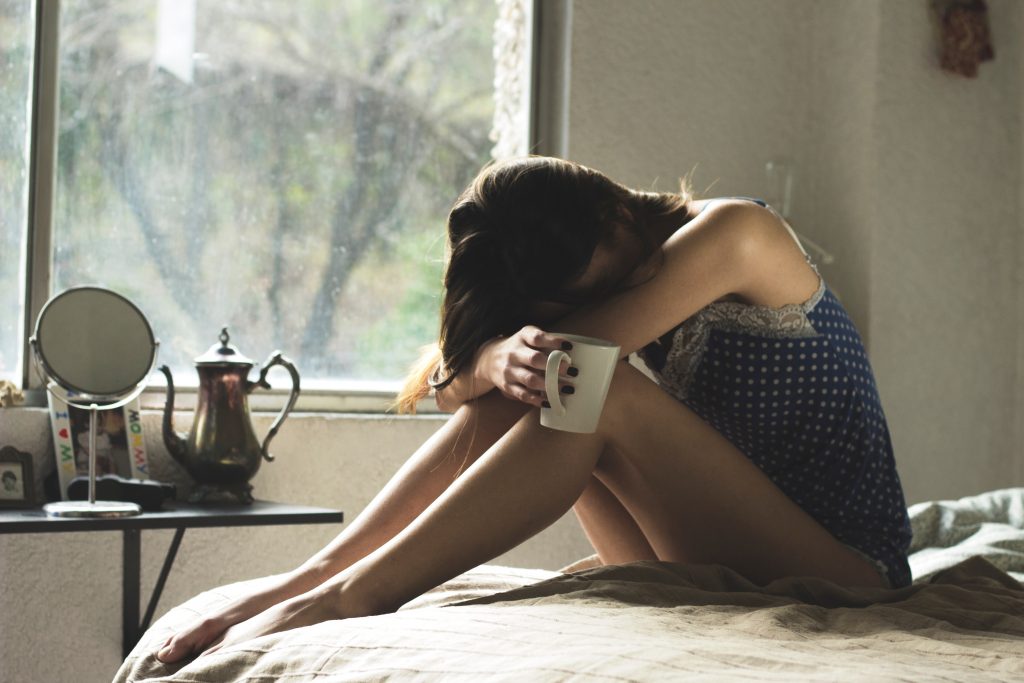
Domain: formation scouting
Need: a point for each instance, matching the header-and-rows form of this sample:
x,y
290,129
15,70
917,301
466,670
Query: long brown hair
x,y
519,232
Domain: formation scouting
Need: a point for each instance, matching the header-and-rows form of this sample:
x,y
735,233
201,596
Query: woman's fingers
x,y
528,386
538,360
534,380
539,339
177,649
526,366
171,651
518,392
535,397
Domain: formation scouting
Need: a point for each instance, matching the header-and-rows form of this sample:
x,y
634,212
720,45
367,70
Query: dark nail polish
x,y
545,404
573,372
568,390
566,346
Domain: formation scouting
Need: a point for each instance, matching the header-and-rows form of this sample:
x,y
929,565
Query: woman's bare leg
x,y
705,502
431,469
473,428
609,527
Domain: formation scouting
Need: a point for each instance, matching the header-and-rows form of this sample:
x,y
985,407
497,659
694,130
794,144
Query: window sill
x,y
319,397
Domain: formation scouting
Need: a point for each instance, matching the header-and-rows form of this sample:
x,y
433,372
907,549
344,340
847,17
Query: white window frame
x,y
548,106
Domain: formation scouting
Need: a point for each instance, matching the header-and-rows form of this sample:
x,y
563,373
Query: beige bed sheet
x,y
640,622
653,621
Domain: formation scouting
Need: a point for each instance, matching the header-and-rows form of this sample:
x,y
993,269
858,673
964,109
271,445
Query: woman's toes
x,y
167,653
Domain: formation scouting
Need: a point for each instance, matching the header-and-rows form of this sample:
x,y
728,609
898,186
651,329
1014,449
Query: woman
x,y
761,447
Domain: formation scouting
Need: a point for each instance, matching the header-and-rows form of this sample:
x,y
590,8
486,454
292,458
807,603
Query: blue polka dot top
x,y
792,388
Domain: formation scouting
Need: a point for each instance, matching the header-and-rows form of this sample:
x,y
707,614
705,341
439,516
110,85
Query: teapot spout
x,y
175,443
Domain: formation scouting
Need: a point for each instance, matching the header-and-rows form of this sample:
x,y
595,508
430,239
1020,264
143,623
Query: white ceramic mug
x,y
581,410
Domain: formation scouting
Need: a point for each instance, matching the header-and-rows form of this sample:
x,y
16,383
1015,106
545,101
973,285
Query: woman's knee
x,y
477,425
626,395
494,412
637,410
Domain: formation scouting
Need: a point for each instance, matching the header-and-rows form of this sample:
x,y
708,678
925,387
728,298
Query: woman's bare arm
x,y
732,247
467,385
726,249
513,365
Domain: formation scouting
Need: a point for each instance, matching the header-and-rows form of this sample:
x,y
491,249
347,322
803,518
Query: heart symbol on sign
x,y
64,433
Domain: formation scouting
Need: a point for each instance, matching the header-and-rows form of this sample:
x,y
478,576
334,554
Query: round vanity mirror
x,y
98,347
95,342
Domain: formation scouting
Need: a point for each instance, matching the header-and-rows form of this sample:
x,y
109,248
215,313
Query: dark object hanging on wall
x,y
964,35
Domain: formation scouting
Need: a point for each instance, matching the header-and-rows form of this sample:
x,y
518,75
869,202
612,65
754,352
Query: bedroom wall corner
x,y
843,213
1018,452
945,255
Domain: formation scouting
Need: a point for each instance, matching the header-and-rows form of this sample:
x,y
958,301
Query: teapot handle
x,y
278,359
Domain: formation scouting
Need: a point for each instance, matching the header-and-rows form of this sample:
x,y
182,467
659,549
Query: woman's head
x,y
525,227
523,233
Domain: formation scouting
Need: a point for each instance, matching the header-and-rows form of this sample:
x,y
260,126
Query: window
x,y
282,168
17,25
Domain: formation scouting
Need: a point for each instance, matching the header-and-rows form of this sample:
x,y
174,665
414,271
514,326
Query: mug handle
x,y
551,381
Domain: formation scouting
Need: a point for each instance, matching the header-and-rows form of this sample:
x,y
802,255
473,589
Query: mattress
x,y
961,620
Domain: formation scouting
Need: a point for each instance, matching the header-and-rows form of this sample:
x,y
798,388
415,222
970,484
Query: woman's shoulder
x,y
788,278
753,204
719,220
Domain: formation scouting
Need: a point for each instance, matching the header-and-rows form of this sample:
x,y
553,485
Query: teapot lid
x,y
223,353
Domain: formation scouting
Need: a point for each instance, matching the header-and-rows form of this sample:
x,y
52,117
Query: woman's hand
x,y
516,364
198,635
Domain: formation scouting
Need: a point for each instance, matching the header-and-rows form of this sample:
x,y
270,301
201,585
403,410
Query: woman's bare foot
x,y
205,630
302,610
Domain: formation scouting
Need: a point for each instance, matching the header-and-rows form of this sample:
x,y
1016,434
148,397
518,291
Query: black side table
x,y
176,515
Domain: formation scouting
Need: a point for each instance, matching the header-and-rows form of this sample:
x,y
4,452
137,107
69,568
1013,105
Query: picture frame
x,y
120,442
17,484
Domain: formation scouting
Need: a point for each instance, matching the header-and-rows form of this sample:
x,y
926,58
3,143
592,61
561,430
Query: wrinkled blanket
x,y
962,620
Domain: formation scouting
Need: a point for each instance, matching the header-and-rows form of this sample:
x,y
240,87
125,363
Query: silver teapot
x,y
221,452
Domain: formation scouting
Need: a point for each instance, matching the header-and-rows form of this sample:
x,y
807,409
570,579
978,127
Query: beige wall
x,y
946,256
911,176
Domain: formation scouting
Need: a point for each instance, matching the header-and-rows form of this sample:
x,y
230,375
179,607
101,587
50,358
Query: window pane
x,y
283,168
17,26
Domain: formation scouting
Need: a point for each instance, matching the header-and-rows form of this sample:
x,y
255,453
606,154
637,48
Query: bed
x,y
961,620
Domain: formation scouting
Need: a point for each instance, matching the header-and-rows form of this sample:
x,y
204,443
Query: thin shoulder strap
x,y
792,233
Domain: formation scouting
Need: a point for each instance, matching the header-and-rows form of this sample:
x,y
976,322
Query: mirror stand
x,y
94,350
92,507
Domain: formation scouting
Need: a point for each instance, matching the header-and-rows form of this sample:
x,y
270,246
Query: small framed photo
x,y
17,487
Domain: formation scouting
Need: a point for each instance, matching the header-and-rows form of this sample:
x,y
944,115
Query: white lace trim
x,y
690,338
